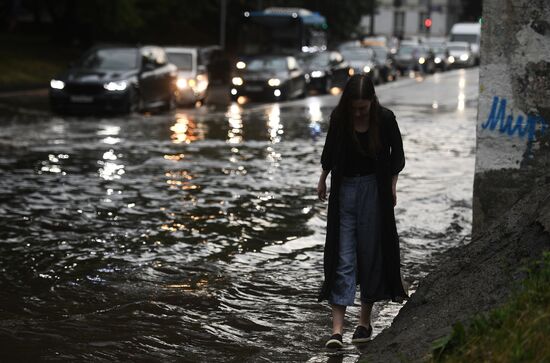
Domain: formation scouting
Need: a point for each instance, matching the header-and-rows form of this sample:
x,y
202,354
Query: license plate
x,y
82,99
253,88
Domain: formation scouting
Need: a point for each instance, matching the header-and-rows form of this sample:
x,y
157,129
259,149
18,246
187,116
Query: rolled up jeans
x,y
360,254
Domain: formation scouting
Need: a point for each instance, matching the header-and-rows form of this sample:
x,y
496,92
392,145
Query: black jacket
x,y
390,161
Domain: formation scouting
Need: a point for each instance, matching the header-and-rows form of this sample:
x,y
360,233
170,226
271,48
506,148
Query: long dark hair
x,y
359,87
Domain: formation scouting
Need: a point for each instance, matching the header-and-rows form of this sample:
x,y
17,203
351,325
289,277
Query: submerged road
x,y
196,235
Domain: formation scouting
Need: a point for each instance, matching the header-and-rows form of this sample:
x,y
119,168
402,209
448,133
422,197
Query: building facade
x,y
406,18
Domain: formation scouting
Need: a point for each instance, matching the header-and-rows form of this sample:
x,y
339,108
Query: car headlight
x,y
317,74
116,86
351,72
181,83
437,60
57,84
451,59
464,57
274,82
366,69
241,65
237,81
421,60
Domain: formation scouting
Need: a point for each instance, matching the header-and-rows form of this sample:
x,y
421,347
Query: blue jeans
x,y
360,254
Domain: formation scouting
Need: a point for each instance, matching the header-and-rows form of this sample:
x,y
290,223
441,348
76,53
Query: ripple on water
x,y
198,234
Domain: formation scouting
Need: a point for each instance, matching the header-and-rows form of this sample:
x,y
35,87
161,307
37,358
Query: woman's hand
x,y
322,186
322,190
394,189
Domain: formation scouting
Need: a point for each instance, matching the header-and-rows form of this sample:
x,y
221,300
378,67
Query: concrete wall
x,y
513,129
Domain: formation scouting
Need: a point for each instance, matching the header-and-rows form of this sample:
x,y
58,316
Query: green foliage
x,y
516,332
182,22
31,61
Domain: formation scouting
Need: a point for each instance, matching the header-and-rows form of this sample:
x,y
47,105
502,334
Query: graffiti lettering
x,y
506,124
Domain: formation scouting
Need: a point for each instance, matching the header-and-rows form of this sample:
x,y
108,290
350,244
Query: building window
x,y
399,23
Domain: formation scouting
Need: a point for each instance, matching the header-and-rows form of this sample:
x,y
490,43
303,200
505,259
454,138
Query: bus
x,y
281,31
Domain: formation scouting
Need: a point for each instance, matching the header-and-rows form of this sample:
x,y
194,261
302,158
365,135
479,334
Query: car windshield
x,y
438,50
271,64
381,53
184,61
470,38
356,55
111,59
406,50
319,59
458,47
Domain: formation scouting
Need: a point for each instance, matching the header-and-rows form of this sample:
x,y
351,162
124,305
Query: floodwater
x,y
197,236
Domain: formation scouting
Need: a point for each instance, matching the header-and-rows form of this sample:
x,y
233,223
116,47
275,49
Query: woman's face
x,y
360,109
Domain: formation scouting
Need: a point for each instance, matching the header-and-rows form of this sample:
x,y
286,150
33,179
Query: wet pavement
x,y
196,235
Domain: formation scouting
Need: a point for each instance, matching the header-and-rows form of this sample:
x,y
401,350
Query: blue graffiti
x,y
506,124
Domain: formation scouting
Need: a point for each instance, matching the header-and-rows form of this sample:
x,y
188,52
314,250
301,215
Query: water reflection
x,y
315,117
53,164
234,118
202,237
110,131
109,169
274,125
461,87
184,130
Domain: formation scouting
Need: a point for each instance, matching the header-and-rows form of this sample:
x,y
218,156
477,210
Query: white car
x,y
460,55
192,81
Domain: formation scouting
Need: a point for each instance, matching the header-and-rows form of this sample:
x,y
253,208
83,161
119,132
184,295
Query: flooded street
x,y
197,235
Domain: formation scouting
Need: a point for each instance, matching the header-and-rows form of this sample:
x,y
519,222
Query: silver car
x,y
460,54
192,81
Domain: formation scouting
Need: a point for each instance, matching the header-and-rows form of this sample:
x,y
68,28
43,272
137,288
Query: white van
x,y
467,32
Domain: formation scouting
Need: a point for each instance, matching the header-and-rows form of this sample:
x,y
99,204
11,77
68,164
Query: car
x,y
192,79
412,56
470,33
118,79
460,55
363,60
441,56
325,69
273,77
386,63
348,44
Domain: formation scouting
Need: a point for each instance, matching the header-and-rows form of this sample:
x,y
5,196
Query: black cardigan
x,y
390,161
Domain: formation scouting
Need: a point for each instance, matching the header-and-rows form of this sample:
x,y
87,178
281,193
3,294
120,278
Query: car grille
x,y
84,89
261,83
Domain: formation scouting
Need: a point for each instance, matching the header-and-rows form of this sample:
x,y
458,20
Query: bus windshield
x,y
283,31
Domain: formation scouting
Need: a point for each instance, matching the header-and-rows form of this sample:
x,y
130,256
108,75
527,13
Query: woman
x,y
364,153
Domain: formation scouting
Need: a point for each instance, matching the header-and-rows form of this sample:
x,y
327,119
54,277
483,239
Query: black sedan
x,y
415,57
326,70
386,64
269,77
116,79
363,60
